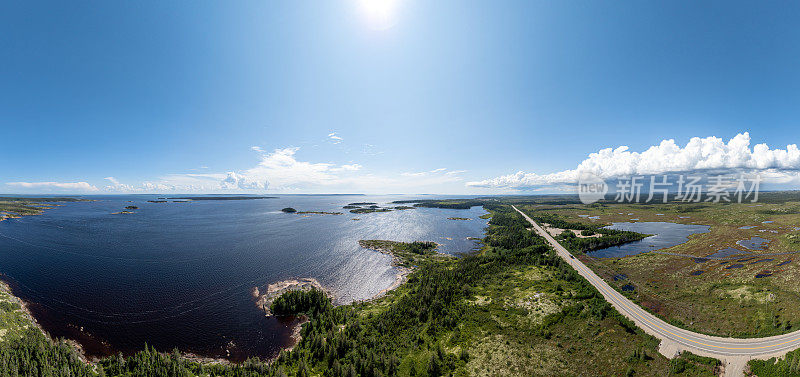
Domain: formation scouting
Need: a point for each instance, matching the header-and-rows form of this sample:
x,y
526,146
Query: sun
x,y
380,14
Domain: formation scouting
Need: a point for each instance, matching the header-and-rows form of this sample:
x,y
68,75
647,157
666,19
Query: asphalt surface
x,y
675,339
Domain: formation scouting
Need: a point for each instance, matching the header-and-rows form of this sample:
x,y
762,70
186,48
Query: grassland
x,y
700,294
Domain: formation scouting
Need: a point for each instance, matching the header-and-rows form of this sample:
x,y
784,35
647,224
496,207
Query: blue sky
x,y
312,96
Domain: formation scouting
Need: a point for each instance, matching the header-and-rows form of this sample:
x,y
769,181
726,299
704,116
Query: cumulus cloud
x,y
117,186
234,181
281,170
63,186
698,155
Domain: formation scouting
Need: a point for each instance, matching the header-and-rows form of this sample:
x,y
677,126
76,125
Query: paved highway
x,y
735,352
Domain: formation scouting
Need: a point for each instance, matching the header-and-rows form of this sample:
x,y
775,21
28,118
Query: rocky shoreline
x,y
266,295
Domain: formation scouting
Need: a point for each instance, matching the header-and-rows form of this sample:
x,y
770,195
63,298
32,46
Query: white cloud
x,y
73,186
698,155
351,167
429,172
280,171
117,186
334,139
239,181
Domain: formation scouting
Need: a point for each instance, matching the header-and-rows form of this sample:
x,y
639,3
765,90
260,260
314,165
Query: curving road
x,y
734,352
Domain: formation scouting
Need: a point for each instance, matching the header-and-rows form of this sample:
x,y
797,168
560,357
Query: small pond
x,y
724,253
664,235
763,274
754,243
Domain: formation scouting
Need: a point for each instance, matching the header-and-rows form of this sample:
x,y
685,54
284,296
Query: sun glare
x,y
380,14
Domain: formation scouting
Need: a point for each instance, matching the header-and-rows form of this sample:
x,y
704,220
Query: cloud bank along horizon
x,y
281,171
710,155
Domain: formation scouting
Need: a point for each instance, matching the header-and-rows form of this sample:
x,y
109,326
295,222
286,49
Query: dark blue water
x,y
181,274
664,235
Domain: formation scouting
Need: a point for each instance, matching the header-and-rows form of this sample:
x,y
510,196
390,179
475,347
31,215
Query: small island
x,y
459,218
266,296
131,207
369,210
406,254
292,210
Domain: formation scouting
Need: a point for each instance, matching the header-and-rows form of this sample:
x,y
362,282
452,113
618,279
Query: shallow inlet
x,y
665,235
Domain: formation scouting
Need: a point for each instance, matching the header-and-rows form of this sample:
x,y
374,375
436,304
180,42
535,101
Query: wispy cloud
x,y
710,154
334,138
429,172
282,171
61,186
371,150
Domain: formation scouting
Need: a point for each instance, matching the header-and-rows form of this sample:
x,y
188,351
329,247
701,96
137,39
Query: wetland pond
x,y
664,235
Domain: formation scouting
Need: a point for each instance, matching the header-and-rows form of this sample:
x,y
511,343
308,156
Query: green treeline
x,y
35,355
310,302
788,366
447,204
609,237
